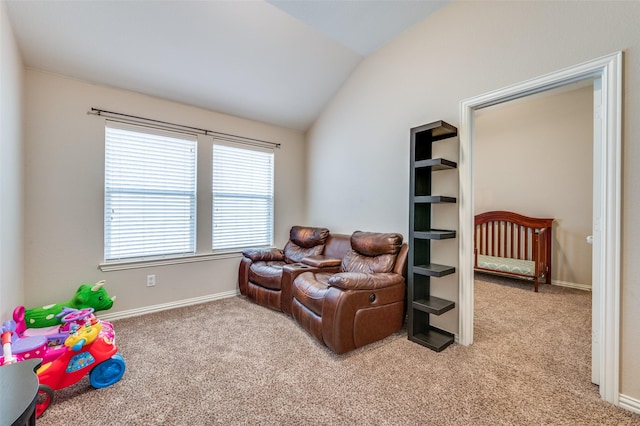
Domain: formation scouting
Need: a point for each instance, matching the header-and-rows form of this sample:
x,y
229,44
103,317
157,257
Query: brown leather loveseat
x,y
361,303
345,290
266,275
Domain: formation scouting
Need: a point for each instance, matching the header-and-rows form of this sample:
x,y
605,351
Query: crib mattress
x,y
502,264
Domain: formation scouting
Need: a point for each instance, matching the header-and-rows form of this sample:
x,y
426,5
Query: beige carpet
x,y
233,362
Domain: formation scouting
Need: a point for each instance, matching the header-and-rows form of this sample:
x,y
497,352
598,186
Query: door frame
x,y
609,70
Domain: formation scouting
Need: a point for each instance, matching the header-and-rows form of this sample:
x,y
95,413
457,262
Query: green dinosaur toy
x,y
87,296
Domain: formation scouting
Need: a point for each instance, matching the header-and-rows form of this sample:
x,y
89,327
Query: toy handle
x,y
65,310
6,337
79,344
6,348
18,317
76,315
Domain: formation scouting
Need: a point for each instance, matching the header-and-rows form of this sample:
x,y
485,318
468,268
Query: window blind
x,y
150,192
242,197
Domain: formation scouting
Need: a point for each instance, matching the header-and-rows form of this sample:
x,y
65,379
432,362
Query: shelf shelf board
x,y
438,130
433,199
434,234
433,338
433,270
433,305
436,164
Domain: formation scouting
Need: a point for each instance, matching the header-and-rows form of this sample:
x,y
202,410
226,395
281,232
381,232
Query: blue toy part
x,y
80,361
79,345
107,372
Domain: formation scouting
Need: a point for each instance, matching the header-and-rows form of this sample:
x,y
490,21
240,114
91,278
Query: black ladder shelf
x,y
420,269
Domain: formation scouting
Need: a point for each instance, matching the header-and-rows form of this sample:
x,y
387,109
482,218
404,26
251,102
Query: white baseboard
x,y
164,306
629,403
585,287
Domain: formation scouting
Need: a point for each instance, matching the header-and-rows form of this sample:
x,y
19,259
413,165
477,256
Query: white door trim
x,y
609,70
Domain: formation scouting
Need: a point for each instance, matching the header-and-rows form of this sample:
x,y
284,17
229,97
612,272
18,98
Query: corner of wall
x,y
11,168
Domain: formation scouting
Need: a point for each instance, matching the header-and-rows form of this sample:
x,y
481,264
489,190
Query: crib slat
x,y
493,239
484,239
503,239
499,239
514,239
505,248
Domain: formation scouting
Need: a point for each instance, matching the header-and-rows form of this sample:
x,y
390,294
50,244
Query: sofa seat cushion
x,y
309,290
266,274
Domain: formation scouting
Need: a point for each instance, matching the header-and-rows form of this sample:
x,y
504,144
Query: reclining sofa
x,y
346,290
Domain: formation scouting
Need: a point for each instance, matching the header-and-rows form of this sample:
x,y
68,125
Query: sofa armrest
x,y
320,261
256,254
363,281
354,318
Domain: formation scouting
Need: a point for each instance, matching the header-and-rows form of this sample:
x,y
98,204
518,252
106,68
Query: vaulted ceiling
x,y
276,61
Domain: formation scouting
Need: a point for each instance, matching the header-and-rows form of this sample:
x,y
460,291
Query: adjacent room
x,y
229,197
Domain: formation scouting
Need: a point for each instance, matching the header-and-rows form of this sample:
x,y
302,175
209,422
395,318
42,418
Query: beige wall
x,y
64,190
535,157
11,188
359,147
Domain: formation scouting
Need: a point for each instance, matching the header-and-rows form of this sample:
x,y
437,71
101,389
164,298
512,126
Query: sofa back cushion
x,y
372,252
337,246
307,237
304,241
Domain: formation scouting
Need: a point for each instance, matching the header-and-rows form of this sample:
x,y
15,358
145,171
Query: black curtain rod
x,y
174,126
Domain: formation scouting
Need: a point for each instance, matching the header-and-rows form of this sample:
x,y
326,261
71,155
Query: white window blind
x,y
150,192
242,197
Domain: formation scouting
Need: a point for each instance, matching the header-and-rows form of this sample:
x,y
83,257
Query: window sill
x,y
147,263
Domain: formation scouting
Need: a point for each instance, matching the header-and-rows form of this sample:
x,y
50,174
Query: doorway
x,y
606,73
534,156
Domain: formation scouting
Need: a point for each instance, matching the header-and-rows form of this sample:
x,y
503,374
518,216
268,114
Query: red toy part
x,y
88,352
72,366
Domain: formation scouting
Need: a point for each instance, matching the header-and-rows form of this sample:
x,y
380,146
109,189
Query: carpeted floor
x,y
233,362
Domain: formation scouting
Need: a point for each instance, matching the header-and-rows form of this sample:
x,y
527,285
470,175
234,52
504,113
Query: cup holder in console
x,y
300,265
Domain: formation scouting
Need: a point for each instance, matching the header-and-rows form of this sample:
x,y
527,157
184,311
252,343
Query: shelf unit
x,y
420,269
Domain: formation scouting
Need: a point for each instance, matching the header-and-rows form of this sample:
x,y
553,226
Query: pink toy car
x,y
87,347
57,334
47,343
88,350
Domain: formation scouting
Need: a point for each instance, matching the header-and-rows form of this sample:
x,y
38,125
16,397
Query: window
x,y
242,190
150,192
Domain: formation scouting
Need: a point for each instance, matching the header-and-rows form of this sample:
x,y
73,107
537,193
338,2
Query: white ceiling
x,y
276,61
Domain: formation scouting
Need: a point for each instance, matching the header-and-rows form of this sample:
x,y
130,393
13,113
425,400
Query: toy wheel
x,y
44,399
107,372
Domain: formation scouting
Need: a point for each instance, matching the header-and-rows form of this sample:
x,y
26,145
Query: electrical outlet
x,y
151,280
